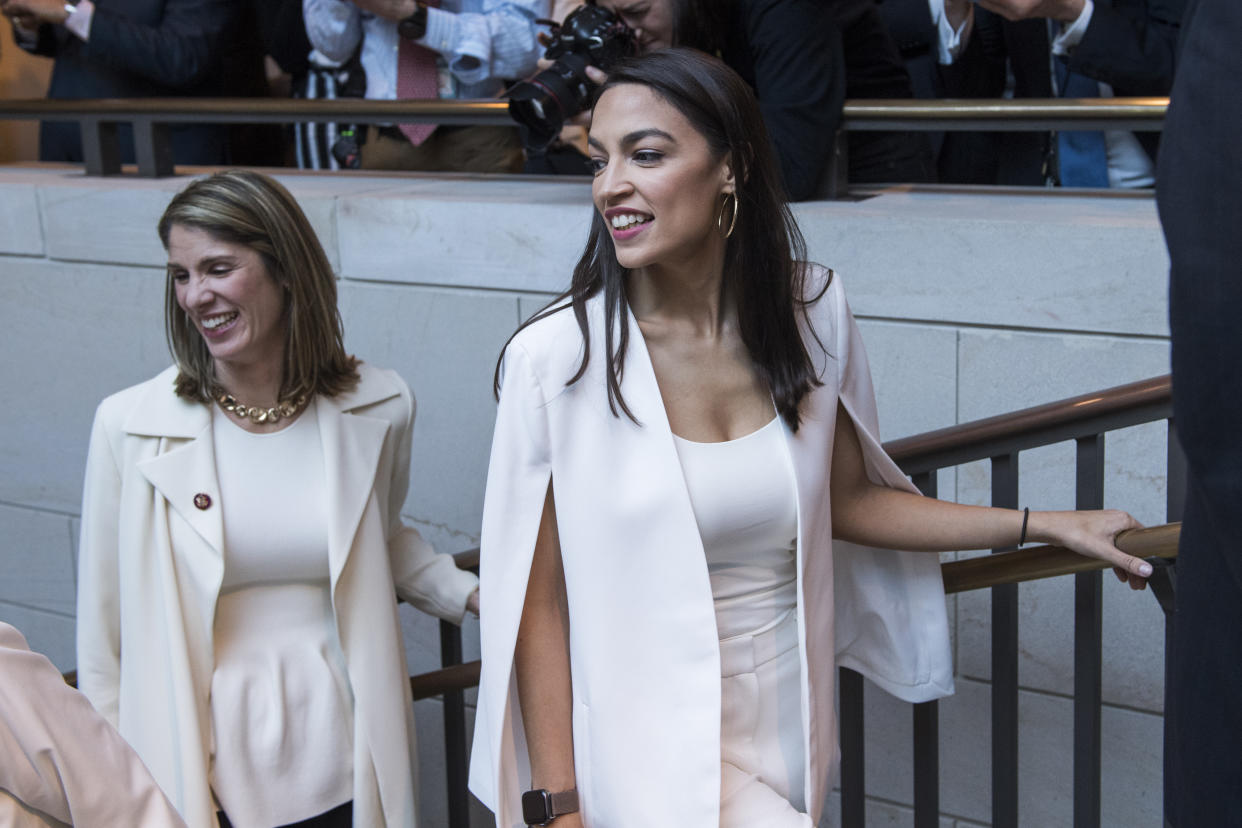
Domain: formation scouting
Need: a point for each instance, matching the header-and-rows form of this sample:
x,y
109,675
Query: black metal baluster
x,y
926,729
853,770
1088,647
1005,665
455,769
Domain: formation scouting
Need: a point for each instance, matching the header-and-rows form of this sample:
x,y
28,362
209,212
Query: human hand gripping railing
x,y
152,118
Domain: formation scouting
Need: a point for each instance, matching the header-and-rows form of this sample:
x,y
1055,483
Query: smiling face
x,y
657,184
228,295
651,20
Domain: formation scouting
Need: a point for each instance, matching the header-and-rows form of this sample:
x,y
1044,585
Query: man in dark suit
x,y
1199,194
128,49
1127,44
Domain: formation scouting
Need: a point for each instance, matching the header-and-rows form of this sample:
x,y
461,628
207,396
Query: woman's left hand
x,y
472,602
1092,534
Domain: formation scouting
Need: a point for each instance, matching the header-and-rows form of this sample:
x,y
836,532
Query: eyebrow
x,y
632,138
205,261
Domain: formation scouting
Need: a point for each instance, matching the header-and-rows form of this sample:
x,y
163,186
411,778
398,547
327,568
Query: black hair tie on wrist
x,y
1026,515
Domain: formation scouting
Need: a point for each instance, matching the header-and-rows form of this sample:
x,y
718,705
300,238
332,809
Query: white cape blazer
x,y
151,566
644,654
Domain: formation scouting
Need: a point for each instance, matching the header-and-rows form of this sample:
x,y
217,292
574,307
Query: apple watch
x,y
414,27
539,807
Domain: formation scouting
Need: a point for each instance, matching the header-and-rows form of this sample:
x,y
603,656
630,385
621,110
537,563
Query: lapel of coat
x,y
352,443
185,468
642,395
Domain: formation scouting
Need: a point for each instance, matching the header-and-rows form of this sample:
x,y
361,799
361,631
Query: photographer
x,y
803,59
453,49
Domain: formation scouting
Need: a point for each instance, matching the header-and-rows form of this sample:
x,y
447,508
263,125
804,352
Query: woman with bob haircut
x,y
242,544
689,518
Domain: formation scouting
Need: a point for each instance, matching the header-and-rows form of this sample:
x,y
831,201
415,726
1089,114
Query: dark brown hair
x,y
764,262
251,209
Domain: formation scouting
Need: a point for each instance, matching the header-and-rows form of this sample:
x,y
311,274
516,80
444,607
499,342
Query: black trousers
x,y
342,816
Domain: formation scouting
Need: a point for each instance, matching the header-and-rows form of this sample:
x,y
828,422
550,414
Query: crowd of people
x,y
689,520
802,58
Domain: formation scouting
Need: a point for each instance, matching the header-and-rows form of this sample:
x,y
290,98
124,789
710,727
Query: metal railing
x,y
152,117
1084,419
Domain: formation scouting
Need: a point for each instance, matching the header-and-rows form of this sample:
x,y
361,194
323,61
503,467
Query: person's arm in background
x,y
334,27
34,27
423,577
1131,46
179,50
498,41
61,758
1131,50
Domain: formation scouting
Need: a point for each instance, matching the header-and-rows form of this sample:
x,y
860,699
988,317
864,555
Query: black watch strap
x,y
563,802
540,806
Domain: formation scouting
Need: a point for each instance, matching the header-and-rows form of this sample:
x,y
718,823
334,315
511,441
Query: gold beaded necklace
x,y
256,414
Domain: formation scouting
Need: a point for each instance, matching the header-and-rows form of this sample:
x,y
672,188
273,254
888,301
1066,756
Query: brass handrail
x,y
259,110
1003,114
858,114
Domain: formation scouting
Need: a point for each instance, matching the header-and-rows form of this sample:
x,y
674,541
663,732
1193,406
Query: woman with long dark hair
x,y
689,518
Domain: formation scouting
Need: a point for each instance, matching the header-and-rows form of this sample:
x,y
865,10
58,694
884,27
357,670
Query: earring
x,y
733,218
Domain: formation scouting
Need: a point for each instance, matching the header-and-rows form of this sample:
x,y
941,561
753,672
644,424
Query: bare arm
x,y
875,515
541,659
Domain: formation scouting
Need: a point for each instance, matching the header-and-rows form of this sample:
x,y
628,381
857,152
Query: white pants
x,y
762,766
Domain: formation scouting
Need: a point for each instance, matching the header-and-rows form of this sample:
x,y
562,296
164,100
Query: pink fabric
x,y
417,79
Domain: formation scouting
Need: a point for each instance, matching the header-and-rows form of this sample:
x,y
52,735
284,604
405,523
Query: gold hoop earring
x,y
733,219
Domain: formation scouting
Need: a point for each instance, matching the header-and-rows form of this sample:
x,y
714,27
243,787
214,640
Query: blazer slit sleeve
x,y
517,481
891,623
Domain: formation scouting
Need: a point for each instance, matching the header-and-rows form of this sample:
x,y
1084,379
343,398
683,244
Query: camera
x,y
590,36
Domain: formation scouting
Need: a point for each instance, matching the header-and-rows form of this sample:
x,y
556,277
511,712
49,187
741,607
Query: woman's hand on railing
x,y
1092,534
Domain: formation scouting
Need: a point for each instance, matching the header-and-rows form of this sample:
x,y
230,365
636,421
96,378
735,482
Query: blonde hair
x,y
251,209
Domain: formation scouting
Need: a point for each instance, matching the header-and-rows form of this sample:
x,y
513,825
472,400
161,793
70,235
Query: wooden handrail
x,y
1130,404
439,682
467,559
1037,562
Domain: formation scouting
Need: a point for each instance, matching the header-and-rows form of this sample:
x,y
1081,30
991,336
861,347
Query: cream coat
x,y
151,568
644,656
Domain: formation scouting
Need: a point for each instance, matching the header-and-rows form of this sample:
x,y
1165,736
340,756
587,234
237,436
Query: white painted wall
x,y
971,305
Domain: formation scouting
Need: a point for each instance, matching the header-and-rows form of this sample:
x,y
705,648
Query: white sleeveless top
x,y
745,503
281,706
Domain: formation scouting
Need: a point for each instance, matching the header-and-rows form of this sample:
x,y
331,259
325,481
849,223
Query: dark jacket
x,y
140,49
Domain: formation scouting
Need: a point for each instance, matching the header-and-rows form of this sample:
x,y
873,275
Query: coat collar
x,y
186,468
161,413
